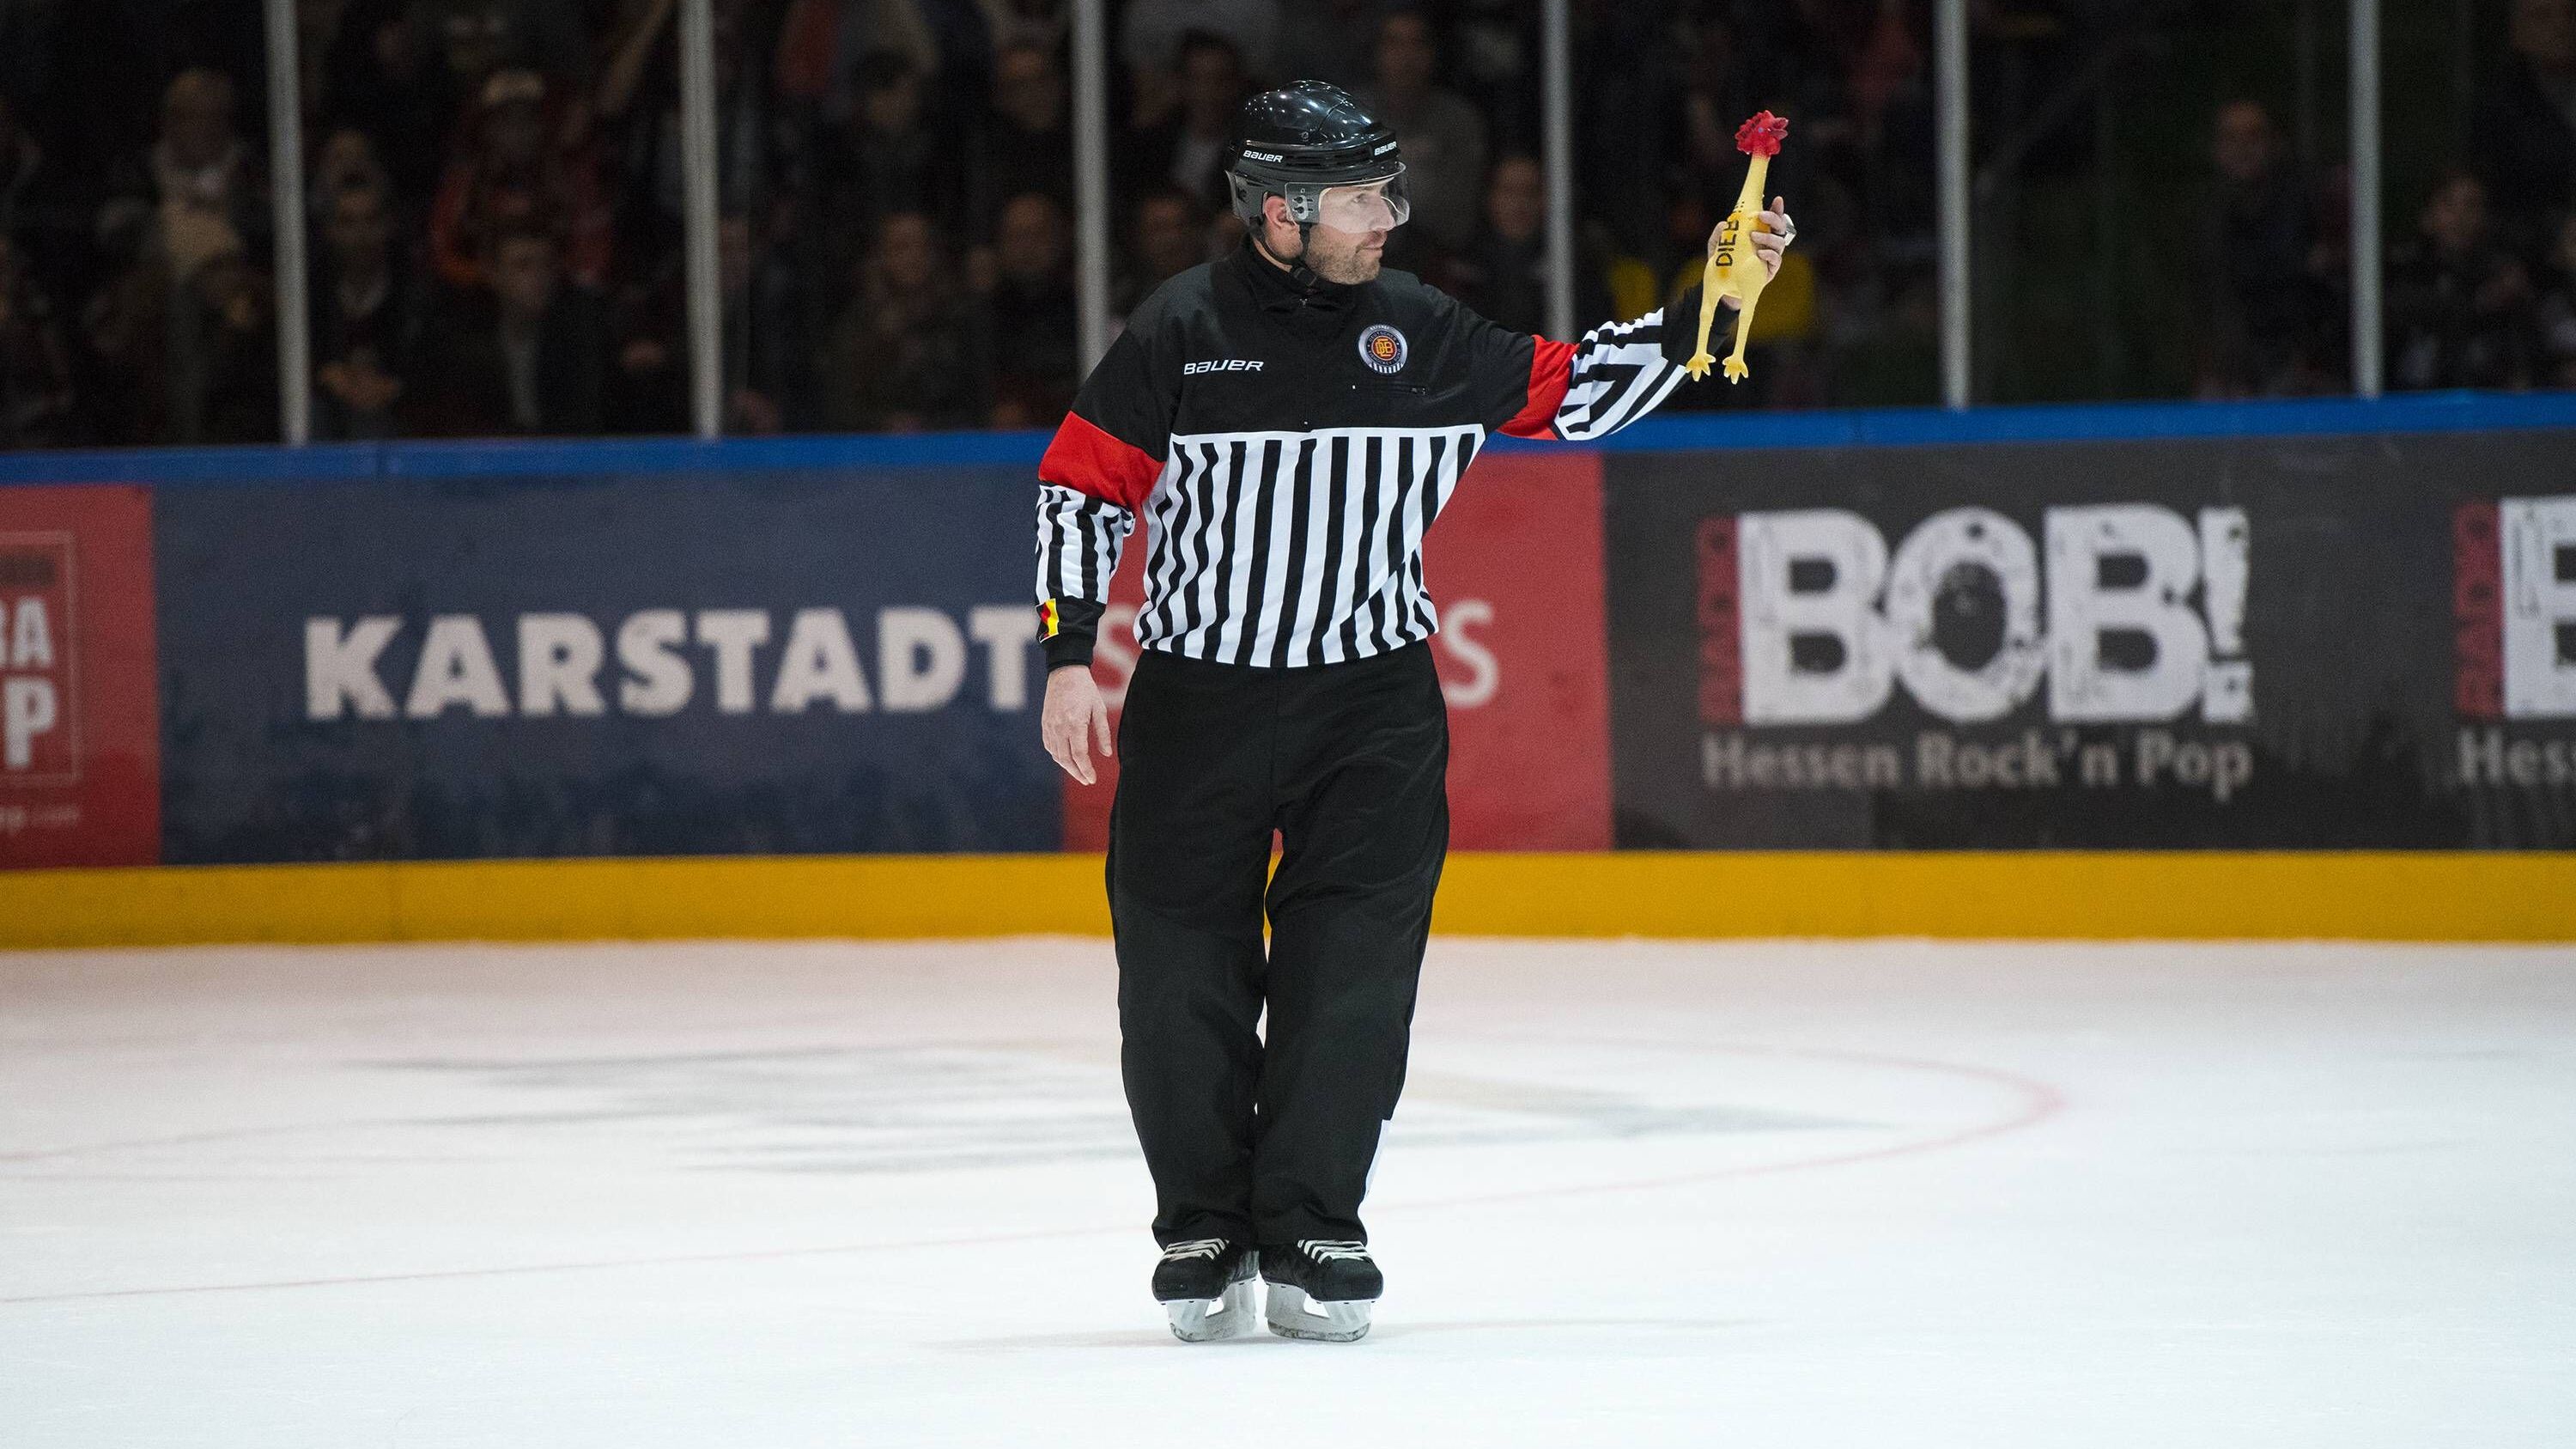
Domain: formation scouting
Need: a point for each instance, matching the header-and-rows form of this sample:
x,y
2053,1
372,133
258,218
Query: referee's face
x,y
1346,257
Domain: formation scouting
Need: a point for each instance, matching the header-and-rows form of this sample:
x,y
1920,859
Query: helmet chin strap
x,y
1298,272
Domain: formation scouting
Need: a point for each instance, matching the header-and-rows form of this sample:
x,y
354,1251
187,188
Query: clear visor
x,y
1381,205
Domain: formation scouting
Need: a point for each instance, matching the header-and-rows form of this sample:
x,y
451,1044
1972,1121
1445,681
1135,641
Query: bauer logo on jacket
x,y
1383,348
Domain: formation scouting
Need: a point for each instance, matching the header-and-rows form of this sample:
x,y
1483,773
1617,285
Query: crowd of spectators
x,y
2480,272
494,203
495,195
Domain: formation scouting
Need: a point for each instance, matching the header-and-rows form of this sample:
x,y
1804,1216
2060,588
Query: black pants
x,y
1272,1140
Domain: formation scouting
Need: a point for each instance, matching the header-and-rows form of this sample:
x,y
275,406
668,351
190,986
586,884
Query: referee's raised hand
x,y
1073,714
1773,231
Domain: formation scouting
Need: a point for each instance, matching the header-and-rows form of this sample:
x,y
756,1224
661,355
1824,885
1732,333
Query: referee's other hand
x,y
1074,713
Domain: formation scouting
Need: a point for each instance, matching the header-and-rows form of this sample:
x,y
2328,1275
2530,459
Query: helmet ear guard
x,y
1305,203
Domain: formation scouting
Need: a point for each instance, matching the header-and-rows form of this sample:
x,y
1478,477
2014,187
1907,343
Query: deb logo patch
x,y
1383,348
1050,623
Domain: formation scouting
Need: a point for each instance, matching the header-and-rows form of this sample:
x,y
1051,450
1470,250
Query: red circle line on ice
x,y
2034,1102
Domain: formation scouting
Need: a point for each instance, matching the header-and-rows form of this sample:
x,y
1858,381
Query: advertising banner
x,y
2281,642
2513,597
2252,643
1514,565
672,664
79,734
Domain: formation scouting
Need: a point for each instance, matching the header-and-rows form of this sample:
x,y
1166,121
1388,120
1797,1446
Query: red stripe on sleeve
x,y
1551,373
1088,460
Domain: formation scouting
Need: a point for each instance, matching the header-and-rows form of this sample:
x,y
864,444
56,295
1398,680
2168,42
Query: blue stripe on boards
x,y
1887,427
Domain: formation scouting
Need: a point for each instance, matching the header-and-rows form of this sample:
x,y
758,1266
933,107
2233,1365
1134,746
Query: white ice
x,y
773,1196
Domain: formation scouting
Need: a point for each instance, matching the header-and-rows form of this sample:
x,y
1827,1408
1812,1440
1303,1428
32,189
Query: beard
x,y
1350,268
1341,257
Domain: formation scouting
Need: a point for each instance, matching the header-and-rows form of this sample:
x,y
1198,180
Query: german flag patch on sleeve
x,y
1048,622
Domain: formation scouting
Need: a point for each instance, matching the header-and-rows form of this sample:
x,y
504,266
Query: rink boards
x,y
2274,670
2038,895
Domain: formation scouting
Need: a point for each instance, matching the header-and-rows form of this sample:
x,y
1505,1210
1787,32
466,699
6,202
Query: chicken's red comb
x,y
1762,135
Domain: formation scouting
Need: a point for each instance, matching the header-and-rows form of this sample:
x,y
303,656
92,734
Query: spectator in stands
x,y
1626,98
646,389
1029,322
765,334
762,347
1502,272
1154,44
198,164
1444,138
35,370
1494,49
2262,265
382,75
480,38
22,160
904,356
1042,23
891,159
1888,81
528,355
1026,140
962,87
1719,90
185,338
823,44
29,36
1187,150
2459,301
639,112
1332,40
1169,236
2556,316
513,170
2524,135
345,161
40,209
227,371
368,308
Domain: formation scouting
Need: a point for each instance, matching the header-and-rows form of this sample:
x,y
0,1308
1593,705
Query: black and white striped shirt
x,y
1289,450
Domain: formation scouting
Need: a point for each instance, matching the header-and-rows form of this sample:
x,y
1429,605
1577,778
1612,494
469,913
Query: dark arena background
x,y
2012,877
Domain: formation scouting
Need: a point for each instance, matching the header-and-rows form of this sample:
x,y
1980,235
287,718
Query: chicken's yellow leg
x,y
1710,290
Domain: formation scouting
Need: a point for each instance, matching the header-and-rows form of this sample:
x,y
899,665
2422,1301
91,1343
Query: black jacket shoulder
x,y
1179,297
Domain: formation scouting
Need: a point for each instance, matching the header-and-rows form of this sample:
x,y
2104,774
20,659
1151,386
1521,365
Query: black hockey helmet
x,y
1316,147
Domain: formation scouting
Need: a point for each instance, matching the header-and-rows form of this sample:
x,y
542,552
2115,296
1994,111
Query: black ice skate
x,y
1205,1284
1321,1289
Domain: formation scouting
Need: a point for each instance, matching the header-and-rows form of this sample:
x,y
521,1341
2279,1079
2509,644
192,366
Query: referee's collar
x,y
1278,290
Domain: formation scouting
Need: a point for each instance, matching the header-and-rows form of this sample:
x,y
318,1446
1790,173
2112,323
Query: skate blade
x,y
1205,1320
1294,1315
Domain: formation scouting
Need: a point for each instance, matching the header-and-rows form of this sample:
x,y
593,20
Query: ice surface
x,y
760,1196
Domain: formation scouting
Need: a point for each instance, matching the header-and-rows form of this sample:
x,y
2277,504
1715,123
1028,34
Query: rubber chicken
x,y
1733,268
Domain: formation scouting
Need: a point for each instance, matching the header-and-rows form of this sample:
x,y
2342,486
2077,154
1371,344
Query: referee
x,y
1288,421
